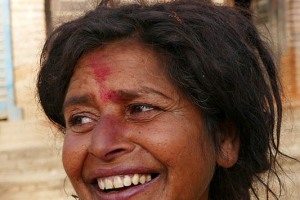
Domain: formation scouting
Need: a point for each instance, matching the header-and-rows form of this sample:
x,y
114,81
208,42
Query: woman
x,y
178,100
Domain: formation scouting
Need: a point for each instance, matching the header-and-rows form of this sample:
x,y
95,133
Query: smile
x,y
116,182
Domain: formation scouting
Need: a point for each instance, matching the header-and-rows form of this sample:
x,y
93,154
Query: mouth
x,y
122,182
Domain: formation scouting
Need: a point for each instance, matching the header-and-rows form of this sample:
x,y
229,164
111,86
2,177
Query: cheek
x,y
174,143
73,155
192,165
186,153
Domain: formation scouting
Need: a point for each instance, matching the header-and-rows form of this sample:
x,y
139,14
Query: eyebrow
x,y
129,94
123,95
77,100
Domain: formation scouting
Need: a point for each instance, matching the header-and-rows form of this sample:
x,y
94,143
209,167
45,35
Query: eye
x,y
142,112
140,108
81,123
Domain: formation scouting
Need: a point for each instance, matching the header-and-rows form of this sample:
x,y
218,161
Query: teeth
x,y
135,179
127,181
148,178
142,179
123,181
108,184
118,183
101,185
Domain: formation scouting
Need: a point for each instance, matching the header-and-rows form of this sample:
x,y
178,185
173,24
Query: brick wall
x,y
28,35
294,39
291,57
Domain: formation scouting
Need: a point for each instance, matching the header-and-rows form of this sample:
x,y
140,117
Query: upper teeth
x,y
122,181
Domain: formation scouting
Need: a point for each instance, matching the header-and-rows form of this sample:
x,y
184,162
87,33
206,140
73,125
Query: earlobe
x,y
229,149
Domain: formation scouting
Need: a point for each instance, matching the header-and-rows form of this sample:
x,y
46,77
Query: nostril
x,y
115,153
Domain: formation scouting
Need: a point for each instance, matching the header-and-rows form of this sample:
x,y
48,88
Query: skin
x,y
124,116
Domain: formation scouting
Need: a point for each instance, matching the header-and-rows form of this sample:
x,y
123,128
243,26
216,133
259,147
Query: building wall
x,y
279,21
295,20
28,35
291,57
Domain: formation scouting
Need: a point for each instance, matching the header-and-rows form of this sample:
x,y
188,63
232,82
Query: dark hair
x,y
214,54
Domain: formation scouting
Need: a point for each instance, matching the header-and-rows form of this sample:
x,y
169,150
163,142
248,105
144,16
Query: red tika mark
x,y
101,73
112,96
98,64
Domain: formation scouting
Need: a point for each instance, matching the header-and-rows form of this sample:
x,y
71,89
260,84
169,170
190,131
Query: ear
x,y
229,146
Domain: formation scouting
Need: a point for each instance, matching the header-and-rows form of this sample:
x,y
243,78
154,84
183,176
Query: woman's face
x,y
130,133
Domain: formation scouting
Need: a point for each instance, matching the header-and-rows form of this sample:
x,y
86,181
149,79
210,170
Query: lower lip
x,y
124,194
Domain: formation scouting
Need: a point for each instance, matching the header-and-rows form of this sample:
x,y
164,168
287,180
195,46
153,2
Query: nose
x,y
109,140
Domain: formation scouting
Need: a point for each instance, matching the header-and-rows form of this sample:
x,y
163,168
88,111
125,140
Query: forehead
x,y
122,53
121,65
123,70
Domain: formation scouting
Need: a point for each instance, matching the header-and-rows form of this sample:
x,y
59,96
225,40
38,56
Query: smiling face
x,y
130,133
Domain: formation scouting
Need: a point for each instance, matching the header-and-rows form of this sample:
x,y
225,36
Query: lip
x,y
125,193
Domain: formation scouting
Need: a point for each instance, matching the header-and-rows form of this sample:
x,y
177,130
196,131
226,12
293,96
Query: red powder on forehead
x,y
111,95
117,96
101,73
98,64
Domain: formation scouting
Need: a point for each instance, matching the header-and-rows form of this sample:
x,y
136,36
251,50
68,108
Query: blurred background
x,y
30,149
